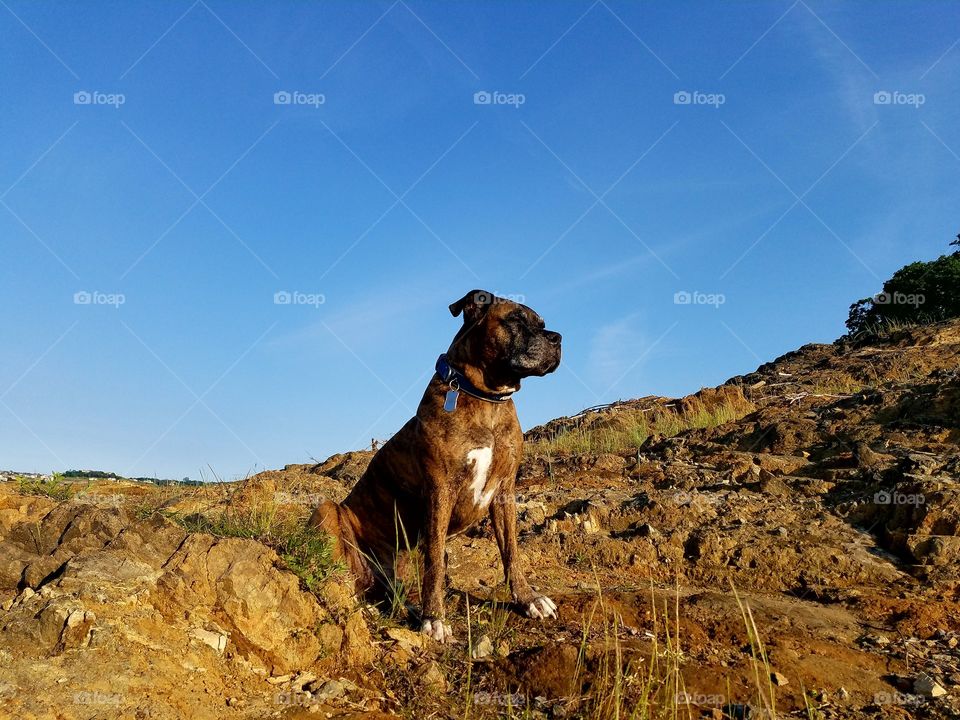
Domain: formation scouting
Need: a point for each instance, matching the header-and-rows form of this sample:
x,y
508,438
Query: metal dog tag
x,y
450,402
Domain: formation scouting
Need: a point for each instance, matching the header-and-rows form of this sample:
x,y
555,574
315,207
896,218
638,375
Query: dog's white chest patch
x,y
481,458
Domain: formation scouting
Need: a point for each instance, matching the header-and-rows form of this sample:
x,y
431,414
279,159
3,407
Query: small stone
x,y
483,648
304,678
928,687
952,642
432,678
778,679
334,688
843,693
7,604
503,649
279,679
26,595
407,639
218,641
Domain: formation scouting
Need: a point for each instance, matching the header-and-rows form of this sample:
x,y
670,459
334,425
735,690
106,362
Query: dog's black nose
x,y
553,337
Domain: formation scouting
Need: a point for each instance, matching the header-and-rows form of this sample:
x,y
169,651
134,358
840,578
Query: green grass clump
x,y
306,551
55,487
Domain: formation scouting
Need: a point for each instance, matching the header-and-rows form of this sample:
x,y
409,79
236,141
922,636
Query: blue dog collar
x,y
459,384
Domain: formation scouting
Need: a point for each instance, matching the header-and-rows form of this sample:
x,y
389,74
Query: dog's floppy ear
x,y
473,305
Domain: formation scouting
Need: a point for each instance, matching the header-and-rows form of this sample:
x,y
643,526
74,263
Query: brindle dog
x,y
452,463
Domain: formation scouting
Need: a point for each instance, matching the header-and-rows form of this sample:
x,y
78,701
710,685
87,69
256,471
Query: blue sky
x,y
736,152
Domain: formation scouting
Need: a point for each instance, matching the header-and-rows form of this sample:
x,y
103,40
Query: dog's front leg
x,y
434,547
503,516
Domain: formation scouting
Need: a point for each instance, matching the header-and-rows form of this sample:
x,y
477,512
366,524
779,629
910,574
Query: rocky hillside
x,y
786,544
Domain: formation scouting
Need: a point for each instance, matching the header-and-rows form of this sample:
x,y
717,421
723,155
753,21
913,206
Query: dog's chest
x,y
480,485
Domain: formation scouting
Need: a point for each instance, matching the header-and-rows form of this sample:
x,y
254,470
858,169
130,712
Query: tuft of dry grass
x,y
635,427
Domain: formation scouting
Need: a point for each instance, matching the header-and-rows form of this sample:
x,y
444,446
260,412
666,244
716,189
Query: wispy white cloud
x,y
614,349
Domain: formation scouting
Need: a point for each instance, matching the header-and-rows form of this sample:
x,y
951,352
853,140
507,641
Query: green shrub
x,y
919,293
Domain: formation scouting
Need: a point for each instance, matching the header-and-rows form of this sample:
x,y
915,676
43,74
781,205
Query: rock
x,y
263,606
778,679
926,686
278,679
867,459
483,649
609,463
406,639
77,629
534,513
63,624
647,530
357,647
216,640
333,689
773,486
304,678
432,678
590,525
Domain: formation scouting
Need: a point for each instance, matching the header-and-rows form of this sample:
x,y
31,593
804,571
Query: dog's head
x,y
507,341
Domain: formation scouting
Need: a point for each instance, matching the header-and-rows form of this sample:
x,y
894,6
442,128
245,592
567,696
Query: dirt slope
x,y
829,500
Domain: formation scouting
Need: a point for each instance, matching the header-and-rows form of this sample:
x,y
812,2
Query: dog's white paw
x,y
438,630
541,607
